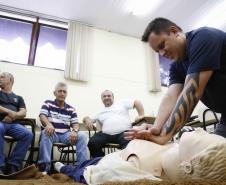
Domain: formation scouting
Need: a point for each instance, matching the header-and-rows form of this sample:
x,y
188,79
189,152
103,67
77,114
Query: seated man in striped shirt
x,y
57,117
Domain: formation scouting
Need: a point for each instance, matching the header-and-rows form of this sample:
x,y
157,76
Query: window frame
x,y
34,37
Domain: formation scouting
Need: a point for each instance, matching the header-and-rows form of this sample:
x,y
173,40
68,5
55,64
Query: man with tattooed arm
x,y
197,73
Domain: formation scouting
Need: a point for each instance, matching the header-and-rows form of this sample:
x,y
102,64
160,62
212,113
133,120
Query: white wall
x,y
118,65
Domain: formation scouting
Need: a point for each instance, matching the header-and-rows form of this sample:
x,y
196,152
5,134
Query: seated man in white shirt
x,y
114,119
198,155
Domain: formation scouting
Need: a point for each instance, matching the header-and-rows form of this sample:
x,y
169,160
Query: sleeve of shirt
x,y
21,102
74,117
129,103
204,51
45,109
175,75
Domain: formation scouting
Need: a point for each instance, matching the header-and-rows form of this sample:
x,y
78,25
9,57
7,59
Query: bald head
x,y
107,98
6,80
9,76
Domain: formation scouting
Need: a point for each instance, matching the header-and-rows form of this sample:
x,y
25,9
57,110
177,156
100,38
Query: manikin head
x,y
166,38
199,155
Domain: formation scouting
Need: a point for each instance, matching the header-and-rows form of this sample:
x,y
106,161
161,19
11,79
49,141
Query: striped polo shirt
x,y
61,118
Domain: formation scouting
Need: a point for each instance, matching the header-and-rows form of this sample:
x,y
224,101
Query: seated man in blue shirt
x,y
12,107
197,73
57,118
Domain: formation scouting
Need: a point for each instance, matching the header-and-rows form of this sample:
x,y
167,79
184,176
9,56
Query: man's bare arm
x,y
194,87
44,120
139,107
21,113
166,107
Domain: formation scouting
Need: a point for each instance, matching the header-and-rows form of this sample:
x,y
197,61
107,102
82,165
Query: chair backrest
x,y
209,122
30,122
144,119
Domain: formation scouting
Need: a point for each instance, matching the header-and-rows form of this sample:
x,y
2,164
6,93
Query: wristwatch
x,y
75,130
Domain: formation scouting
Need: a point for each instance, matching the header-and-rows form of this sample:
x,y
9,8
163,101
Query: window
x,y
51,50
164,65
33,43
15,40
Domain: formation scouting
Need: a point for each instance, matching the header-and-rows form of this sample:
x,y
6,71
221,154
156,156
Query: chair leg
x,y
68,154
64,158
73,155
52,161
10,148
61,156
29,159
37,156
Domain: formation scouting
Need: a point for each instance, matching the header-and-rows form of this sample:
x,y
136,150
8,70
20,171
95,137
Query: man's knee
x,y
94,142
29,136
45,137
82,136
91,142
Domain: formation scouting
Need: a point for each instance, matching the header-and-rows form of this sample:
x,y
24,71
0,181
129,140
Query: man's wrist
x,y
75,130
49,125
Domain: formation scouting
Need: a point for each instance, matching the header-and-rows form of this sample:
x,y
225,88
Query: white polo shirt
x,y
115,119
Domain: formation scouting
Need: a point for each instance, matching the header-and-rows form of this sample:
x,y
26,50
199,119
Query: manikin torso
x,y
164,160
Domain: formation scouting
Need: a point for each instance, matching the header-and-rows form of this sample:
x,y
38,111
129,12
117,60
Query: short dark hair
x,y
157,26
108,91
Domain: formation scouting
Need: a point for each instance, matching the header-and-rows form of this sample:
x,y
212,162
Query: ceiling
x,y
113,15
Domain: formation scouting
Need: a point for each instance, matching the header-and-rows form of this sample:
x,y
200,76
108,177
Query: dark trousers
x,y
221,127
99,140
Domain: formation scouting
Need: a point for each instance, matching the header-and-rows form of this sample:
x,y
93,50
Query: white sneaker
x,y
58,166
44,173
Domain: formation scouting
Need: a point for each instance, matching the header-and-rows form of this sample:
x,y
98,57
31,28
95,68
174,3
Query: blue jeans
x,y
23,137
47,142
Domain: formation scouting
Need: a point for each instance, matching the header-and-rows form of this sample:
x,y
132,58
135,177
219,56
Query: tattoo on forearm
x,y
184,106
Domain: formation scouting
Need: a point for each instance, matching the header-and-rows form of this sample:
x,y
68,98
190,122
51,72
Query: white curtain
x,y
153,74
79,52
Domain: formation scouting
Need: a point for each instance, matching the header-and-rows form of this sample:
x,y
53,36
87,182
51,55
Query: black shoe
x,y
10,168
44,168
2,169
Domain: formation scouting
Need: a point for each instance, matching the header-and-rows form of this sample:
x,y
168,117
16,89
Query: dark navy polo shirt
x,y
10,101
205,50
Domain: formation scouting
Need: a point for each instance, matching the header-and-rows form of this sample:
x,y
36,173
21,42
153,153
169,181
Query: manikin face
x,y
107,98
61,94
171,45
190,145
